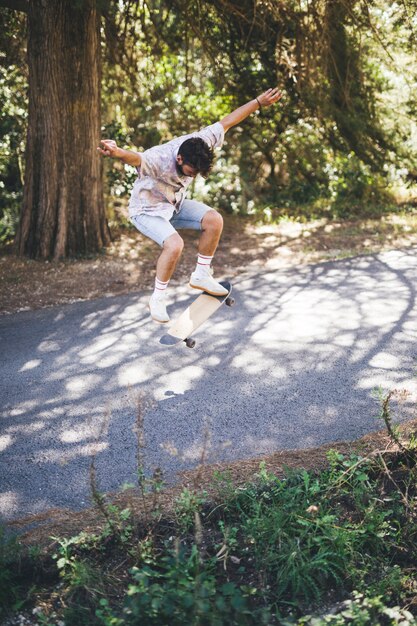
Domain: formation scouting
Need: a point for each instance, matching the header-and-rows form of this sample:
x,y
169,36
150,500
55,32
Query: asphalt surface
x,y
294,364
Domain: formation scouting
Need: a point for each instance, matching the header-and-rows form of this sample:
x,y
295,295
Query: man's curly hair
x,y
198,154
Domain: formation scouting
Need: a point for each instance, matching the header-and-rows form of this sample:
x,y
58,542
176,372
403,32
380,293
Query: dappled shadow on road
x,y
293,365
317,344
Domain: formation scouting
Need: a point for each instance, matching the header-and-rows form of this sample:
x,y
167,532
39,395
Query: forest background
x,y
342,143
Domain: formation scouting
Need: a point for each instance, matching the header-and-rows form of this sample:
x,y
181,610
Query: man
x,y
158,206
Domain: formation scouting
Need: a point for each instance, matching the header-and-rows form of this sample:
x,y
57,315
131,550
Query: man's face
x,y
185,169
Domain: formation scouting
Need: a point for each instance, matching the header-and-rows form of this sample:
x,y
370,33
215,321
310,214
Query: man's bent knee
x,y
212,220
173,245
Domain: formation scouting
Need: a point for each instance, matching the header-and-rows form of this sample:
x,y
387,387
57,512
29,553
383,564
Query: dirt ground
x,y
128,263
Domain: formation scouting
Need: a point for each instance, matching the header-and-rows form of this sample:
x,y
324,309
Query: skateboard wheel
x,y
190,343
229,301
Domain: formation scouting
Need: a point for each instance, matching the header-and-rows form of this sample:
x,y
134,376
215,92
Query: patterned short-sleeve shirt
x,y
159,188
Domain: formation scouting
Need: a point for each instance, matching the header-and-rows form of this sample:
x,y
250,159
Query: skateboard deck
x,y
194,316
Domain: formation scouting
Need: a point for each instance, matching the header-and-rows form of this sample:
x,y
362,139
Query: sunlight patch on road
x,y
64,456
109,350
49,346
22,408
78,386
26,429
195,452
30,365
322,415
388,380
409,327
179,383
344,340
257,361
381,314
135,373
110,360
8,503
75,435
311,317
93,320
5,442
385,361
221,327
97,346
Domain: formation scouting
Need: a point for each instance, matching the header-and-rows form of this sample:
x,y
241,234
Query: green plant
x,y
361,610
118,523
179,589
386,417
76,571
106,616
84,582
297,553
228,545
391,583
12,594
223,484
187,505
13,123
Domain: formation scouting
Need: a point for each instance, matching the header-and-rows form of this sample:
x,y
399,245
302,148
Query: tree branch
x,y
16,5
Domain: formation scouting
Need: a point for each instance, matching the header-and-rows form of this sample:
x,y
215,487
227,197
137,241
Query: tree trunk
x,y
63,208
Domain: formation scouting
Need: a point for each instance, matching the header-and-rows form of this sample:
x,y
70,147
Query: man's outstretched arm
x,y
264,100
110,148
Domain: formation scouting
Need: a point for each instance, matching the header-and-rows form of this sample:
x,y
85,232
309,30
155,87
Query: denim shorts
x,y
158,228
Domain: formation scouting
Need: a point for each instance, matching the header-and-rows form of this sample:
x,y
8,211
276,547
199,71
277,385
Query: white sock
x,y
203,264
160,288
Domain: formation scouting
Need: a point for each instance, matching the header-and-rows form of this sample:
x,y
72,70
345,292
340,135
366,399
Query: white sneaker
x,y
207,283
158,309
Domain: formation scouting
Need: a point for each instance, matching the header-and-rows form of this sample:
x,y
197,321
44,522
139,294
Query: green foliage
x,y
119,178
13,119
354,188
187,505
75,570
298,555
117,529
83,583
181,590
118,524
303,540
325,141
11,595
343,135
362,610
271,549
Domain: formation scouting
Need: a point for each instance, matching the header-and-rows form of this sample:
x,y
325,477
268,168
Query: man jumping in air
x,y
158,206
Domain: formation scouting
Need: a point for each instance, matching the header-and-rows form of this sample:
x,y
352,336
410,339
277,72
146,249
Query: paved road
x,y
293,365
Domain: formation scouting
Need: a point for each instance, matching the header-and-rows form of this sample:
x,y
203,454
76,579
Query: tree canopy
x,y
344,135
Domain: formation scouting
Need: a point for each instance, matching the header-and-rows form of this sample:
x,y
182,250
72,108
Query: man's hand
x,y
268,97
109,148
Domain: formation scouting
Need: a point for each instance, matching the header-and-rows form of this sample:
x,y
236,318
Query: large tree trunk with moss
x,y
63,208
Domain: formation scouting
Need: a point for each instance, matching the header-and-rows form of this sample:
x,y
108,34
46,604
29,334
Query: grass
x,y
278,550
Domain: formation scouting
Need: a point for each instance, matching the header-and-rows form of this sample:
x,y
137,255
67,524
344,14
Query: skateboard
x,y
192,318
